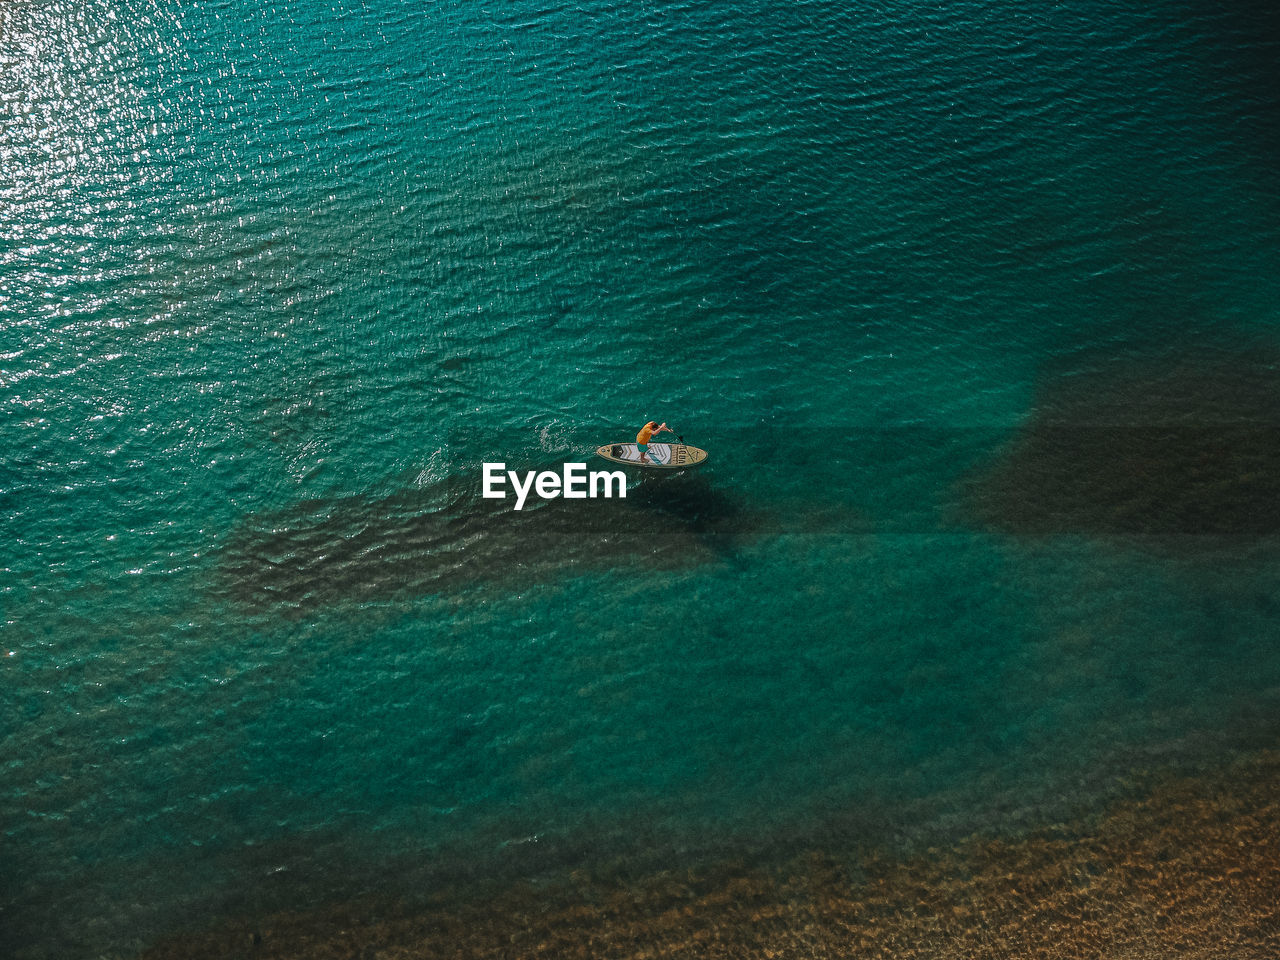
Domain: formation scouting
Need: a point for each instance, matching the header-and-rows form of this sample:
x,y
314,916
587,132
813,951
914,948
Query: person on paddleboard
x,y
646,433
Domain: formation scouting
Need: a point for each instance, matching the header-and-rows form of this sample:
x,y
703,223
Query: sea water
x,y
974,306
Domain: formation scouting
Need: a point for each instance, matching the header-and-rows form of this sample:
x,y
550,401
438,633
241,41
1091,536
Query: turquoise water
x,y
975,307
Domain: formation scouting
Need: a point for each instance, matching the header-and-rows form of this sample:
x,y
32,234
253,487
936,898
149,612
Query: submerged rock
x,y
1181,449
441,540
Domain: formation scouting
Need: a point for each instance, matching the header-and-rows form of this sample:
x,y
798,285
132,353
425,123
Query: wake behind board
x,y
662,456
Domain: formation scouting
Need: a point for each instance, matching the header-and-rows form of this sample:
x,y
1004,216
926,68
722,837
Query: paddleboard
x,y
661,456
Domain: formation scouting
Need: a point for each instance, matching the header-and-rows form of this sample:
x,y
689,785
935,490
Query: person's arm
x,y
664,429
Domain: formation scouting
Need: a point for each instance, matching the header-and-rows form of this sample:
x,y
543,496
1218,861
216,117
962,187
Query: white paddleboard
x,y
663,456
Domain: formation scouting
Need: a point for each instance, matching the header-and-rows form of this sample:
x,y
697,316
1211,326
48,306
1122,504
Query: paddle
x,y
678,437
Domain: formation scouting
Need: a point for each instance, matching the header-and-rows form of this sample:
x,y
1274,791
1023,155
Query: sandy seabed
x,y
1187,867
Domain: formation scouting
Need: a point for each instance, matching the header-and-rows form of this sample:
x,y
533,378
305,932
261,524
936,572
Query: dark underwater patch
x,y
442,540
1183,449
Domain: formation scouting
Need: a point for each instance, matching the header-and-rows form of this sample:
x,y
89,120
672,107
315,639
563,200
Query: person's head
x,y
651,424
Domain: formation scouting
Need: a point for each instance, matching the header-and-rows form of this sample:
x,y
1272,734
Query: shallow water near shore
x,y
975,309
